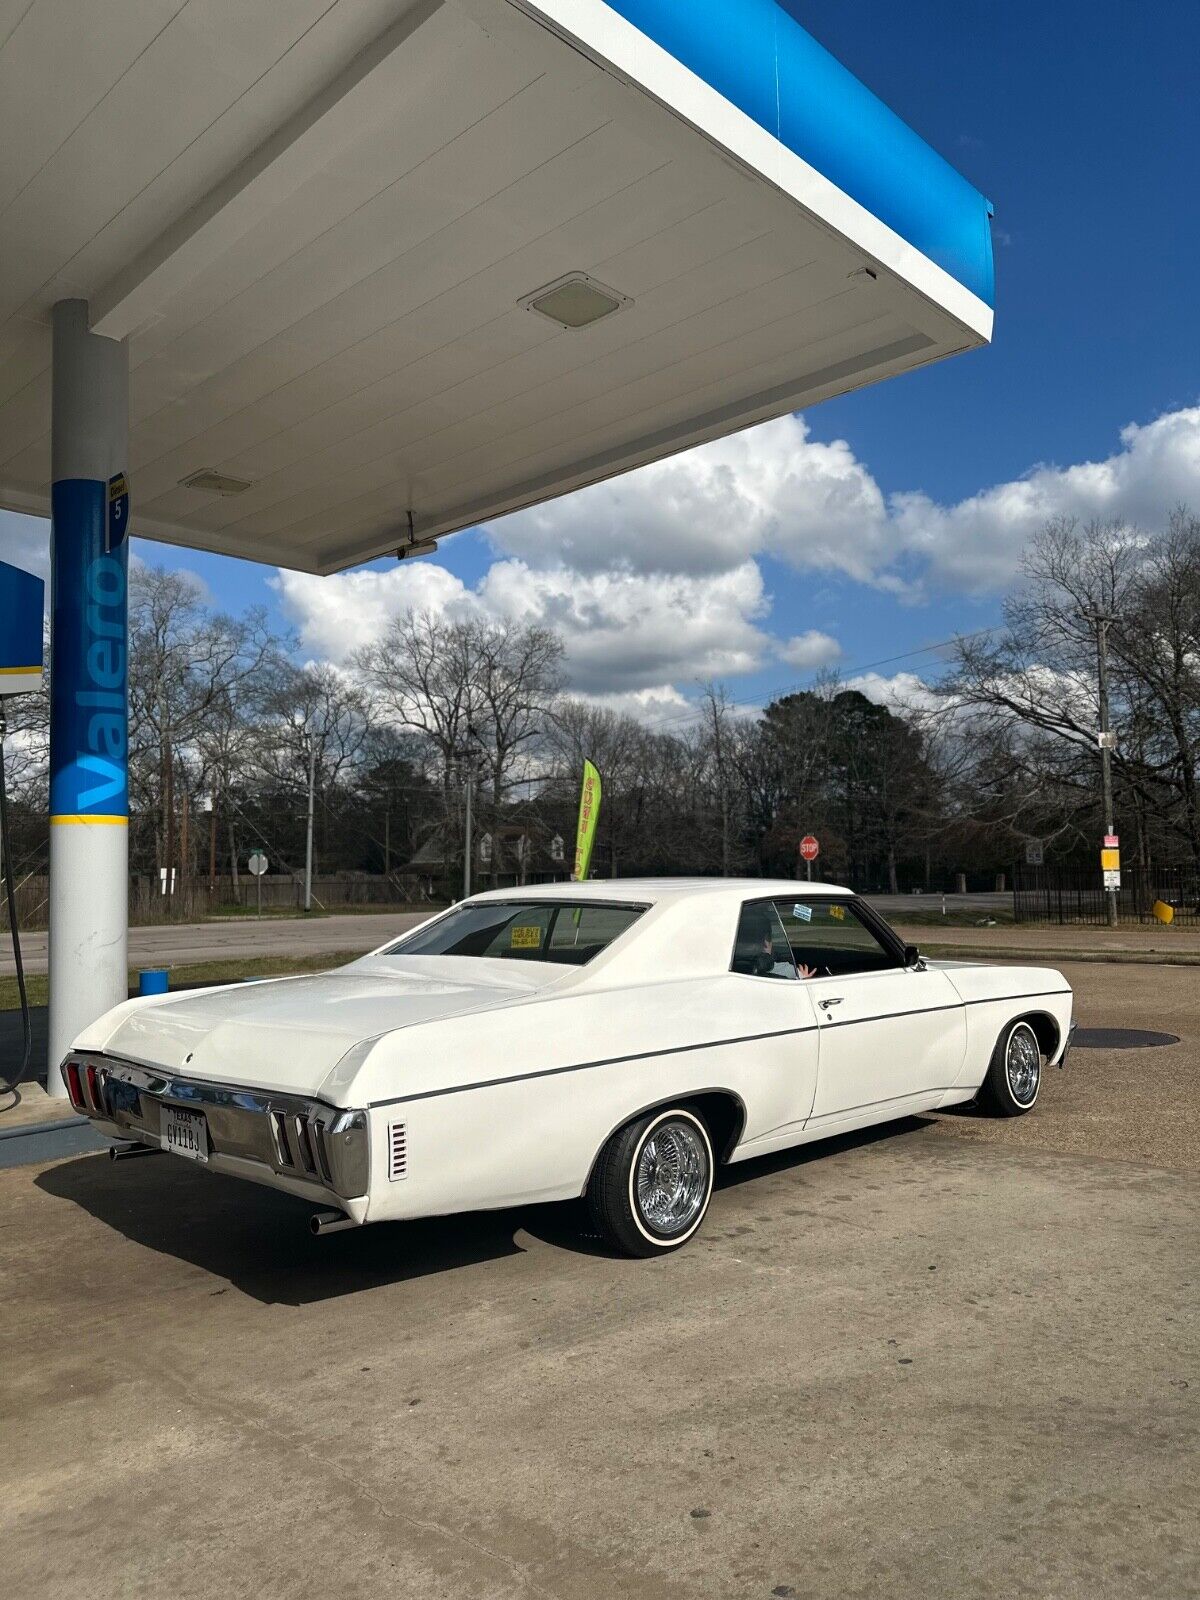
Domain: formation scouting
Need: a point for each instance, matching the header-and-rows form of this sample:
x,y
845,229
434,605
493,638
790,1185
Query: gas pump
x,y
22,604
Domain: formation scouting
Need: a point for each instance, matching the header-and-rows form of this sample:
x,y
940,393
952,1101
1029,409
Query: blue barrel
x,y
153,981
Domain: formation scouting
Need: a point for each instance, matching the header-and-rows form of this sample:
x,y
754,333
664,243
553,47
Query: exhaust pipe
x,y
330,1222
123,1152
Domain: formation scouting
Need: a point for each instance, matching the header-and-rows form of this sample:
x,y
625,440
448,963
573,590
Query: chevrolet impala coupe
x,y
616,1040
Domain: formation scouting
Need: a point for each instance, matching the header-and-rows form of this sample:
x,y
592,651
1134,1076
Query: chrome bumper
x,y
305,1143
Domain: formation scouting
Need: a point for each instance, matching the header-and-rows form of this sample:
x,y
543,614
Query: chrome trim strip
x,y
704,1044
164,1085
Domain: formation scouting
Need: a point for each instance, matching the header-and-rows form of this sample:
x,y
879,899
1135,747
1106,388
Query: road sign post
x,y
256,866
810,849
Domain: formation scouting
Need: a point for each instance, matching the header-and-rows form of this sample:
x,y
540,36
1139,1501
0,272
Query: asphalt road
x,y
953,1357
176,944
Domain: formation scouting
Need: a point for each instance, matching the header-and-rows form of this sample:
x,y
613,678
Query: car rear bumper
x,y
302,1146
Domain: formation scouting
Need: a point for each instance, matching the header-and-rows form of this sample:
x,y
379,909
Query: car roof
x,y
653,891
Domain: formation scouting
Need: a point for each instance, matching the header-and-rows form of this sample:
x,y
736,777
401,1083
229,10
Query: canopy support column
x,y
89,679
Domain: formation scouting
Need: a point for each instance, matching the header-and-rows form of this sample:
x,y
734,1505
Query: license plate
x,y
184,1133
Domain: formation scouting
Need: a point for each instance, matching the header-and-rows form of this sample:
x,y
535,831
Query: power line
x,y
856,667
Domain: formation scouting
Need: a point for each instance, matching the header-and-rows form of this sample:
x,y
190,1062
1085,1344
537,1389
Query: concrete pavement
x,y
953,1357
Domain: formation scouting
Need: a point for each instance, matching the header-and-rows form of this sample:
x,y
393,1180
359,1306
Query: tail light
x,y
300,1144
94,1079
74,1086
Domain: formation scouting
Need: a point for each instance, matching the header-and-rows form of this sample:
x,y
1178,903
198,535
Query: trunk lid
x,y
287,1034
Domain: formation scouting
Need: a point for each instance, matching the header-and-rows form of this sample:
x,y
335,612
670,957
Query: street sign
x,y
1112,841
256,866
1035,855
1112,877
810,847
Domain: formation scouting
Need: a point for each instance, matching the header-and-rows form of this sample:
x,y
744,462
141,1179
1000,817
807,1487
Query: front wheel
x,y
652,1183
1015,1073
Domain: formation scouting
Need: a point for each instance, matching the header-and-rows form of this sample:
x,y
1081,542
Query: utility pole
x,y
467,837
184,850
1101,621
212,843
308,841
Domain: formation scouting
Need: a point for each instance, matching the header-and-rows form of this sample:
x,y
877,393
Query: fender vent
x,y
397,1150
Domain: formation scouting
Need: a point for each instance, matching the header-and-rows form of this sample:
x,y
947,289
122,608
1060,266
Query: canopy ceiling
x,y
321,225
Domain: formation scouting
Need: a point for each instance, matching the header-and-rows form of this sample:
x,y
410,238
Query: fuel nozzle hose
x,y
8,1085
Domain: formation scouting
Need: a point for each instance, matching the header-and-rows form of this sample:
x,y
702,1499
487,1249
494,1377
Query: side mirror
x,y
912,956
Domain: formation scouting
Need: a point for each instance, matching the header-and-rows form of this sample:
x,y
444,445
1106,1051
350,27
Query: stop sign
x,y
810,849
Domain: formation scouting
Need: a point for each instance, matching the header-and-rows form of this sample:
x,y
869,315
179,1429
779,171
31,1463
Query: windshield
x,y
559,931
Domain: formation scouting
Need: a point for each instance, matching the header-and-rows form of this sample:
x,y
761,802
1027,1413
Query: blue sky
x,y
1081,124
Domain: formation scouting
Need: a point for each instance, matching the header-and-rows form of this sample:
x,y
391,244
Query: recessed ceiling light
x,y
575,301
210,482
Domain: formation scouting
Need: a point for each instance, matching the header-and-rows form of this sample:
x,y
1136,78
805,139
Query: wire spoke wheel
x,y
671,1180
1023,1064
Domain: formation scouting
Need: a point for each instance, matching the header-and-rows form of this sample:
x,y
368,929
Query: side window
x,y
581,932
828,937
761,947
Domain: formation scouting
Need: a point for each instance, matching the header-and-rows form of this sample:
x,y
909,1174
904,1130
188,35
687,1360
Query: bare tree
x,y
1034,685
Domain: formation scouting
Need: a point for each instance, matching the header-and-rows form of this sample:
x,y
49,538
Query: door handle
x,y
834,1000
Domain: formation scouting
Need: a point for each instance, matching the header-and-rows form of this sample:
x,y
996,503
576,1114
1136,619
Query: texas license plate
x,y
184,1133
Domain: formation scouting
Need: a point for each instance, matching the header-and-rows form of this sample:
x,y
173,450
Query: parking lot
x,y
951,1357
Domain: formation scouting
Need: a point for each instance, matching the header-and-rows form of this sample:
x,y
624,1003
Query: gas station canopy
x,y
388,270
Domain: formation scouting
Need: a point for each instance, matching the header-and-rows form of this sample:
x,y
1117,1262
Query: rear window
x,y
558,931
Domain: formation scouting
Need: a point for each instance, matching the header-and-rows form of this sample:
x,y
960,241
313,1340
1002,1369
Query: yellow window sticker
x,y
838,913
526,938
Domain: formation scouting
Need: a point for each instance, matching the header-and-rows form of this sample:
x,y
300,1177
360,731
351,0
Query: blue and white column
x,y
89,679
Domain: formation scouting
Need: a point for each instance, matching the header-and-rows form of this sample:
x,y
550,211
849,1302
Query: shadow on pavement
x,y
803,1155
569,1226
258,1239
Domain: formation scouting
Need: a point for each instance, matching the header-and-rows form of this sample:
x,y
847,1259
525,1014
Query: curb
x,y
1037,958
41,1127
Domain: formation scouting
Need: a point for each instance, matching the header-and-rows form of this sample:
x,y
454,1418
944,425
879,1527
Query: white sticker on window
x,y
803,912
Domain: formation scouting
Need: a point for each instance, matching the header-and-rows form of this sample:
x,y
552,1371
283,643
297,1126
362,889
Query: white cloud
x,y
336,615
25,542
774,490
976,545
654,579
903,691
624,632
809,650
769,490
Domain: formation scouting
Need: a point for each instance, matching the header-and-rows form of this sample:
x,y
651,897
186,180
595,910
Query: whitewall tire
x,y
1014,1076
653,1181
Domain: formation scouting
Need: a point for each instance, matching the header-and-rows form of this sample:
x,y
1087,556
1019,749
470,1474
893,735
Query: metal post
x,y
308,838
89,678
467,841
1101,623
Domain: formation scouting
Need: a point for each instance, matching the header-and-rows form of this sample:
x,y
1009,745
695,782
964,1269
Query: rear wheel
x,y
1015,1073
652,1184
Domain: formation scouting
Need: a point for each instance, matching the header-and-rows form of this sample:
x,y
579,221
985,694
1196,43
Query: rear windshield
x,y
523,930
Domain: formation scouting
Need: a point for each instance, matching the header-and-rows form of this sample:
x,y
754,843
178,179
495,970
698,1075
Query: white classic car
x,y
611,1039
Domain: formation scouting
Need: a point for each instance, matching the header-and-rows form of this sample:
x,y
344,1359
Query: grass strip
x,y
200,972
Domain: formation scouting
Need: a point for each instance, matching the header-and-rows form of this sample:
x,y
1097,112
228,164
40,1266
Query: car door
x,y
774,1016
891,1034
